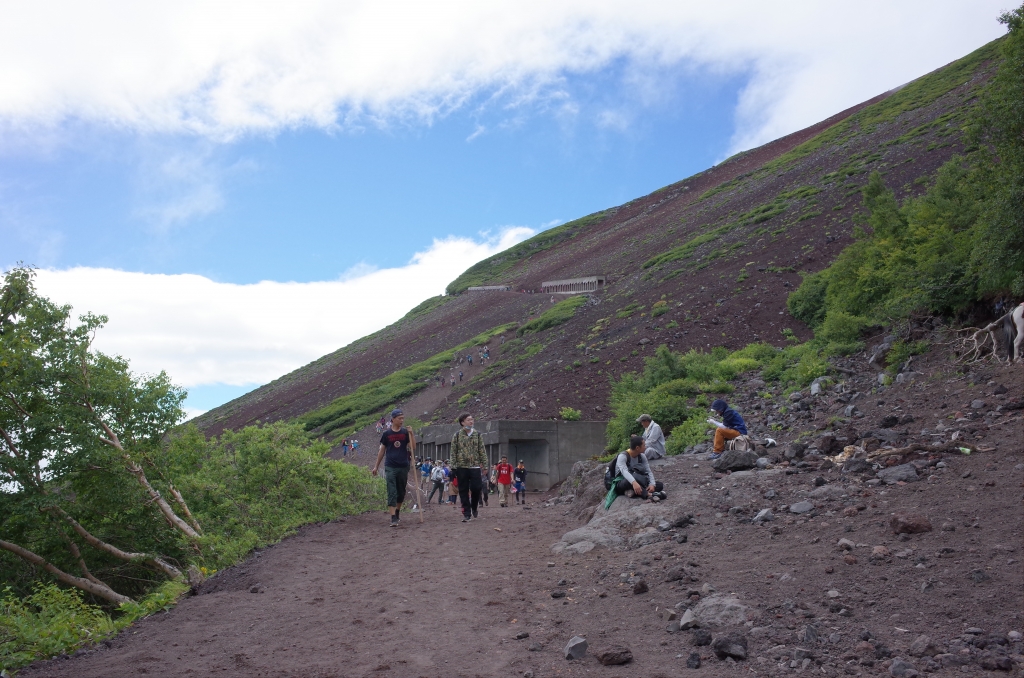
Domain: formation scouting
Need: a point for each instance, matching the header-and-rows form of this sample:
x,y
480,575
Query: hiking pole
x,y
419,493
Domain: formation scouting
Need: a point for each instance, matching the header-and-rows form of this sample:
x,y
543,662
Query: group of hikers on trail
x,y
466,475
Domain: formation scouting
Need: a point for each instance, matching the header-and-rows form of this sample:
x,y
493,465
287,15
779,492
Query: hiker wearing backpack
x,y
632,475
468,459
731,426
519,482
437,479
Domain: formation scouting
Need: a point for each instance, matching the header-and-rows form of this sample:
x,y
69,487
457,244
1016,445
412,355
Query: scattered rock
x,y
795,396
846,544
828,445
999,390
889,421
693,661
535,647
977,404
701,637
979,576
819,481
640,587
688,621
676,574
910,523
948,527
901,668
764,516
904,472
720,610
522,634
795,450
922,646
735,460
577,648
808,635
558,594
880,552
615,655
801,507
856,466
730,645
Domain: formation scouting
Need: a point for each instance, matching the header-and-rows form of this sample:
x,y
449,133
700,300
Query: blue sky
x,y
242,193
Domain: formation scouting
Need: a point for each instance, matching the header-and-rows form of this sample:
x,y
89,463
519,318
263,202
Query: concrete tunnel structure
x,y
548,448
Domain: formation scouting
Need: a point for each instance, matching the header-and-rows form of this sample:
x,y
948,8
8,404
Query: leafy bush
x,y
50,621
659,310
561,312
958,244
251,487
901,352
569,414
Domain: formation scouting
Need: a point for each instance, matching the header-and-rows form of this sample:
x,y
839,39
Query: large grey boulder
x,y
735,460
730,645
577,648
904,472
720,610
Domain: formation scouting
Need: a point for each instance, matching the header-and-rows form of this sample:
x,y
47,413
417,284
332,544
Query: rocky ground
x,y
882,569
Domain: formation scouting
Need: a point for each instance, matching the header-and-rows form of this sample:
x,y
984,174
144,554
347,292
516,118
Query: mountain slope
x,y
722,249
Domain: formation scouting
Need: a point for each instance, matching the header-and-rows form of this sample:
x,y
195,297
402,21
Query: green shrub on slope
x,y
561,312
366,404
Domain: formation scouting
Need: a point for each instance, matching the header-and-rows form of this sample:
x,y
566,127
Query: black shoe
x,y
394,521
474,513
466,517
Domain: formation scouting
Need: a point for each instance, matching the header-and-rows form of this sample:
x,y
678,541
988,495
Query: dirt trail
x,y
444,598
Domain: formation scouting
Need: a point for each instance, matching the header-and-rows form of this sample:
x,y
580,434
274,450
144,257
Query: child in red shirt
x,y
504,480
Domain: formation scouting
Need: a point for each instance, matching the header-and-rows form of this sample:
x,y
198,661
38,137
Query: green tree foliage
x,y
960,243
251,487
94,478
76,432
997,257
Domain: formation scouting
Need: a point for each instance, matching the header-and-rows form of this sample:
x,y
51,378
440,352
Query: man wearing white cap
x,y
653,437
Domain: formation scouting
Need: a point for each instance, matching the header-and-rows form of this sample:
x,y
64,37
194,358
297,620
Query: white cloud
x,y
206,332
223,69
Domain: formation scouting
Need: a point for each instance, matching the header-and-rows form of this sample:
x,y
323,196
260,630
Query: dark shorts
x,y
397,477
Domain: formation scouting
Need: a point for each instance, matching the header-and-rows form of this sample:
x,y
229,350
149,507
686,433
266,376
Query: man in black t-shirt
x,y
396,446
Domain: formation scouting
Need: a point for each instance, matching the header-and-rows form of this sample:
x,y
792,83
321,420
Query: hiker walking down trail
x,y
425,469
485,486
654,439
437,478
637,478
731,426
519,482
396,446
468,458
504,480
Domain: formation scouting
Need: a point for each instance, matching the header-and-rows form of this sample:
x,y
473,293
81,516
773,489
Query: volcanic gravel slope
x,y
443,598
781,209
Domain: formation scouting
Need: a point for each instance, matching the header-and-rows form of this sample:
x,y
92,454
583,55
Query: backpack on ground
x,y
742,443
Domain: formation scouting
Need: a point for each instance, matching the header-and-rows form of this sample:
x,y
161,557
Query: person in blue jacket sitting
x,y
731,426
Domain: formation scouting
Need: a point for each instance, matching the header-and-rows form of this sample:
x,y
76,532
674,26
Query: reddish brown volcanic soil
x,y
730,291
447,599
